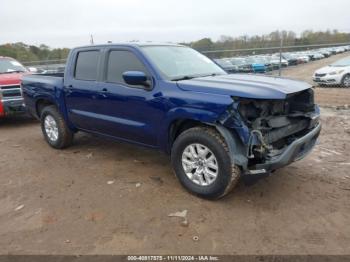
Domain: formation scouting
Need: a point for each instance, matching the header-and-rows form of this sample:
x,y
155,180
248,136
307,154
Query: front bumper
x,y
12,106
297,150
328,79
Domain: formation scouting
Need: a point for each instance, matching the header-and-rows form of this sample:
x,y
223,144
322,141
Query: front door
x,y
131,112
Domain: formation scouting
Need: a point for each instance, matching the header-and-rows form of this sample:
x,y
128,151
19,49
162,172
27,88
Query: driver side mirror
x,y
136,78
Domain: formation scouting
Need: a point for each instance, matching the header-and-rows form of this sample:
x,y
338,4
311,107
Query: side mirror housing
x,y
135,78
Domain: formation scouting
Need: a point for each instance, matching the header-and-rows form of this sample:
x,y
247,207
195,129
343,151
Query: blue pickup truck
x,y
216,127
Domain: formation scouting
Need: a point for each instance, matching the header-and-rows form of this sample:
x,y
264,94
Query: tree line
x,y
273,39
25,53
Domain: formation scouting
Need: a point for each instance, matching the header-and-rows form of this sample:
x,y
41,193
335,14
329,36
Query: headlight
x,y
336,72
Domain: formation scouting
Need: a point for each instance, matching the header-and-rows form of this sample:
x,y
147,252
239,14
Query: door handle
x,y
68,89
104,92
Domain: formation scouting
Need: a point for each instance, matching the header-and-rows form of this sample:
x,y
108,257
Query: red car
x,y
11,100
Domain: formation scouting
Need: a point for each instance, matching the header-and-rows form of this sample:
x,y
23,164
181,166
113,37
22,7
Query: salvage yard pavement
x,y
105,197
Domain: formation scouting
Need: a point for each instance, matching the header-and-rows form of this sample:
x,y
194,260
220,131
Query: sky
x,y
69,23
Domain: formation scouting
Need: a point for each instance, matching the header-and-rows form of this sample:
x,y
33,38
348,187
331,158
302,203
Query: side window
x,y
120,62
86,65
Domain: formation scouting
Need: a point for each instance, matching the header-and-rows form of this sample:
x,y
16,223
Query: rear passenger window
x,y
86,66
120,62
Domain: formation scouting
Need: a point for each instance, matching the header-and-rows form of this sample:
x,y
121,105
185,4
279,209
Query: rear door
x,y
83,91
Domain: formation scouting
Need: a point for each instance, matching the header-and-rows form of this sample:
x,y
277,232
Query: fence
x,y
285,48
58,65
278,51
45,66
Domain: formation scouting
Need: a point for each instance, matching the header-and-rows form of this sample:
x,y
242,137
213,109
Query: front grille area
x,y
10,91
320,75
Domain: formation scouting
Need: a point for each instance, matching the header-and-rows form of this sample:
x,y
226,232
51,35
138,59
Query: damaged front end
x,y
273,133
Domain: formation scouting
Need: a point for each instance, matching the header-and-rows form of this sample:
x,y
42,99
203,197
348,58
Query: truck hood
x,y
11,79
244,85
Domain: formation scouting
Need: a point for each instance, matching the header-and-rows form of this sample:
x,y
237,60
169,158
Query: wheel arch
x,y
41,103
236,148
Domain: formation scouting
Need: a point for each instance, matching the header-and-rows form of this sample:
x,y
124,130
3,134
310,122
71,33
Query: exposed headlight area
x,y
274,124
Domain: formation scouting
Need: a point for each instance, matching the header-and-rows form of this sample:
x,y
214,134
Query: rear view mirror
x,y
135,78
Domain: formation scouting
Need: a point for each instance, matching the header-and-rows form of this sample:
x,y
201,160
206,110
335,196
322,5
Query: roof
x,y
131,44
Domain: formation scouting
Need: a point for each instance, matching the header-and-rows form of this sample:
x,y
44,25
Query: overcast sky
x,y
63,23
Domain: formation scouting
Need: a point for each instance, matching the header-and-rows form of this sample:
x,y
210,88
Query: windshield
x,y
8,65
176,62
342,62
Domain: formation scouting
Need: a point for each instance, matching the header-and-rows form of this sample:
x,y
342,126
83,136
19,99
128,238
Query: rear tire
x,y
54,128
201,161
346,81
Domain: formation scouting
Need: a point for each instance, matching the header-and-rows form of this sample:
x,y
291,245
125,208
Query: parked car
x,y
275,61
11,101
215,126
266,60
302,58
325,52
226,65
242,64
318,55
337,73
292,60
257,65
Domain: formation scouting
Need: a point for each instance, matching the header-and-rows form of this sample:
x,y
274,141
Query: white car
x,y
303,57
337,73
275,60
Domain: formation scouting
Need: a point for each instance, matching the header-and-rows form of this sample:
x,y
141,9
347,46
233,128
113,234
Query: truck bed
x,y
40,85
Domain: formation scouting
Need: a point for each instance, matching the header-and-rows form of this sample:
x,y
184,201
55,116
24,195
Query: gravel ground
x,y
105,197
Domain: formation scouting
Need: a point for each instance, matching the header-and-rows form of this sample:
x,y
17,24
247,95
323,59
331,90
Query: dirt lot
x,y
104,197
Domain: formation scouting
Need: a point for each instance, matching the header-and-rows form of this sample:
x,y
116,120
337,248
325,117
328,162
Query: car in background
x,y
225,64
11,100
242,64
337,73
292,60
275,61
266,60
257,65
302,58
325,52
318,56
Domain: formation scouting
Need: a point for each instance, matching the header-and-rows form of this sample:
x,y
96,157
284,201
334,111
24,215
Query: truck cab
x,y
11,100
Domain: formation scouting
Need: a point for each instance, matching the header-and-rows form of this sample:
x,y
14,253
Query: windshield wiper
x,y
213,74
183,78
191,77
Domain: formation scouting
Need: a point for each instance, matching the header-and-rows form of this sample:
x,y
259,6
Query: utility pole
x,y
280,65
91,39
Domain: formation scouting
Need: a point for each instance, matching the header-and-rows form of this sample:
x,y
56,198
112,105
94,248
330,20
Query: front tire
x,y
54,128
201,161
